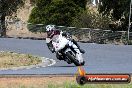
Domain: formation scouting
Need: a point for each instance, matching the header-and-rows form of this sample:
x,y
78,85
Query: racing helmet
x,y
50,28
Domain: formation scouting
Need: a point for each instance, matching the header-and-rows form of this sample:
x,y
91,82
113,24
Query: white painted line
x,y
43,66
53,61
37,67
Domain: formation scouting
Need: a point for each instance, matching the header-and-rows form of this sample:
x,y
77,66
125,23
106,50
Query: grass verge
x,y
10,59
52,82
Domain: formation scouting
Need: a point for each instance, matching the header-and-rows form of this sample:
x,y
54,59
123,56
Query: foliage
x,y
81,3
116,9
59,12
90,19
10,6
42,3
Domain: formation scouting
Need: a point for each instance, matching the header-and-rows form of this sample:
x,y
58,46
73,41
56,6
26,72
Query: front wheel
x,y
59,56
72,58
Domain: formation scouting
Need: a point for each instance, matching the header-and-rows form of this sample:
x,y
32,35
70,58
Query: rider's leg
x,y
78,53
81,50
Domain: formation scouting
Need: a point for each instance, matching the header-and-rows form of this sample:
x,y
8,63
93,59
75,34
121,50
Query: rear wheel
x,y
72,58
83,63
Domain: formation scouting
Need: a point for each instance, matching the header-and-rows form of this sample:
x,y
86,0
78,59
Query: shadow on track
x,y
67,66
63,66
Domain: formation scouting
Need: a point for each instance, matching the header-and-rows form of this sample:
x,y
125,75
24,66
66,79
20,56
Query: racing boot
x,y
81,50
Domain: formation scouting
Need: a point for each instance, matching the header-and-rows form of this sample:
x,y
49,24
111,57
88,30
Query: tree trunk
x,y
2,18
3,28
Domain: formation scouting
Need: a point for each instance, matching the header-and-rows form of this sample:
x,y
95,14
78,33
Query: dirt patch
x,y
17,23
33,82
10,59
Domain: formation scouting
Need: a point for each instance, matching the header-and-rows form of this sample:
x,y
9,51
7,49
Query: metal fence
x,y
98,35
81,34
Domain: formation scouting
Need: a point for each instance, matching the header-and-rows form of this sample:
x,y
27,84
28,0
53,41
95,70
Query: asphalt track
x,y
100,58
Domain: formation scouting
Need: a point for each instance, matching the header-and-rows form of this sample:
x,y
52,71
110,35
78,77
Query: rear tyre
x,y
72,58
83,63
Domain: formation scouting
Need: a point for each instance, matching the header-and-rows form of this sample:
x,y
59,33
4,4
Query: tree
x,y
59,12
80,3
42,3
7,7
89,19
117,9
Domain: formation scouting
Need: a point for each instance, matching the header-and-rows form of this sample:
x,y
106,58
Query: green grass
x,y
75,85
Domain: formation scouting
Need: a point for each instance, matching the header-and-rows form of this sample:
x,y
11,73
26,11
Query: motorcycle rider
x,y
52,32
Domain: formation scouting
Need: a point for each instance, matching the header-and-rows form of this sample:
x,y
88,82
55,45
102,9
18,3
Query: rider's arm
x,y
50,45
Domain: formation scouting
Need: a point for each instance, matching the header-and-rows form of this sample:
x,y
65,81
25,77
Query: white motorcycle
x,y
66,50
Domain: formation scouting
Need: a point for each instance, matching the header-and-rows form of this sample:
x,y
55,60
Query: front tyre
x,y
59,57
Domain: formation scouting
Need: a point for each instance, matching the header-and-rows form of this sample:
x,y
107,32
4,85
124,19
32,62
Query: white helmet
x,y
50,27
